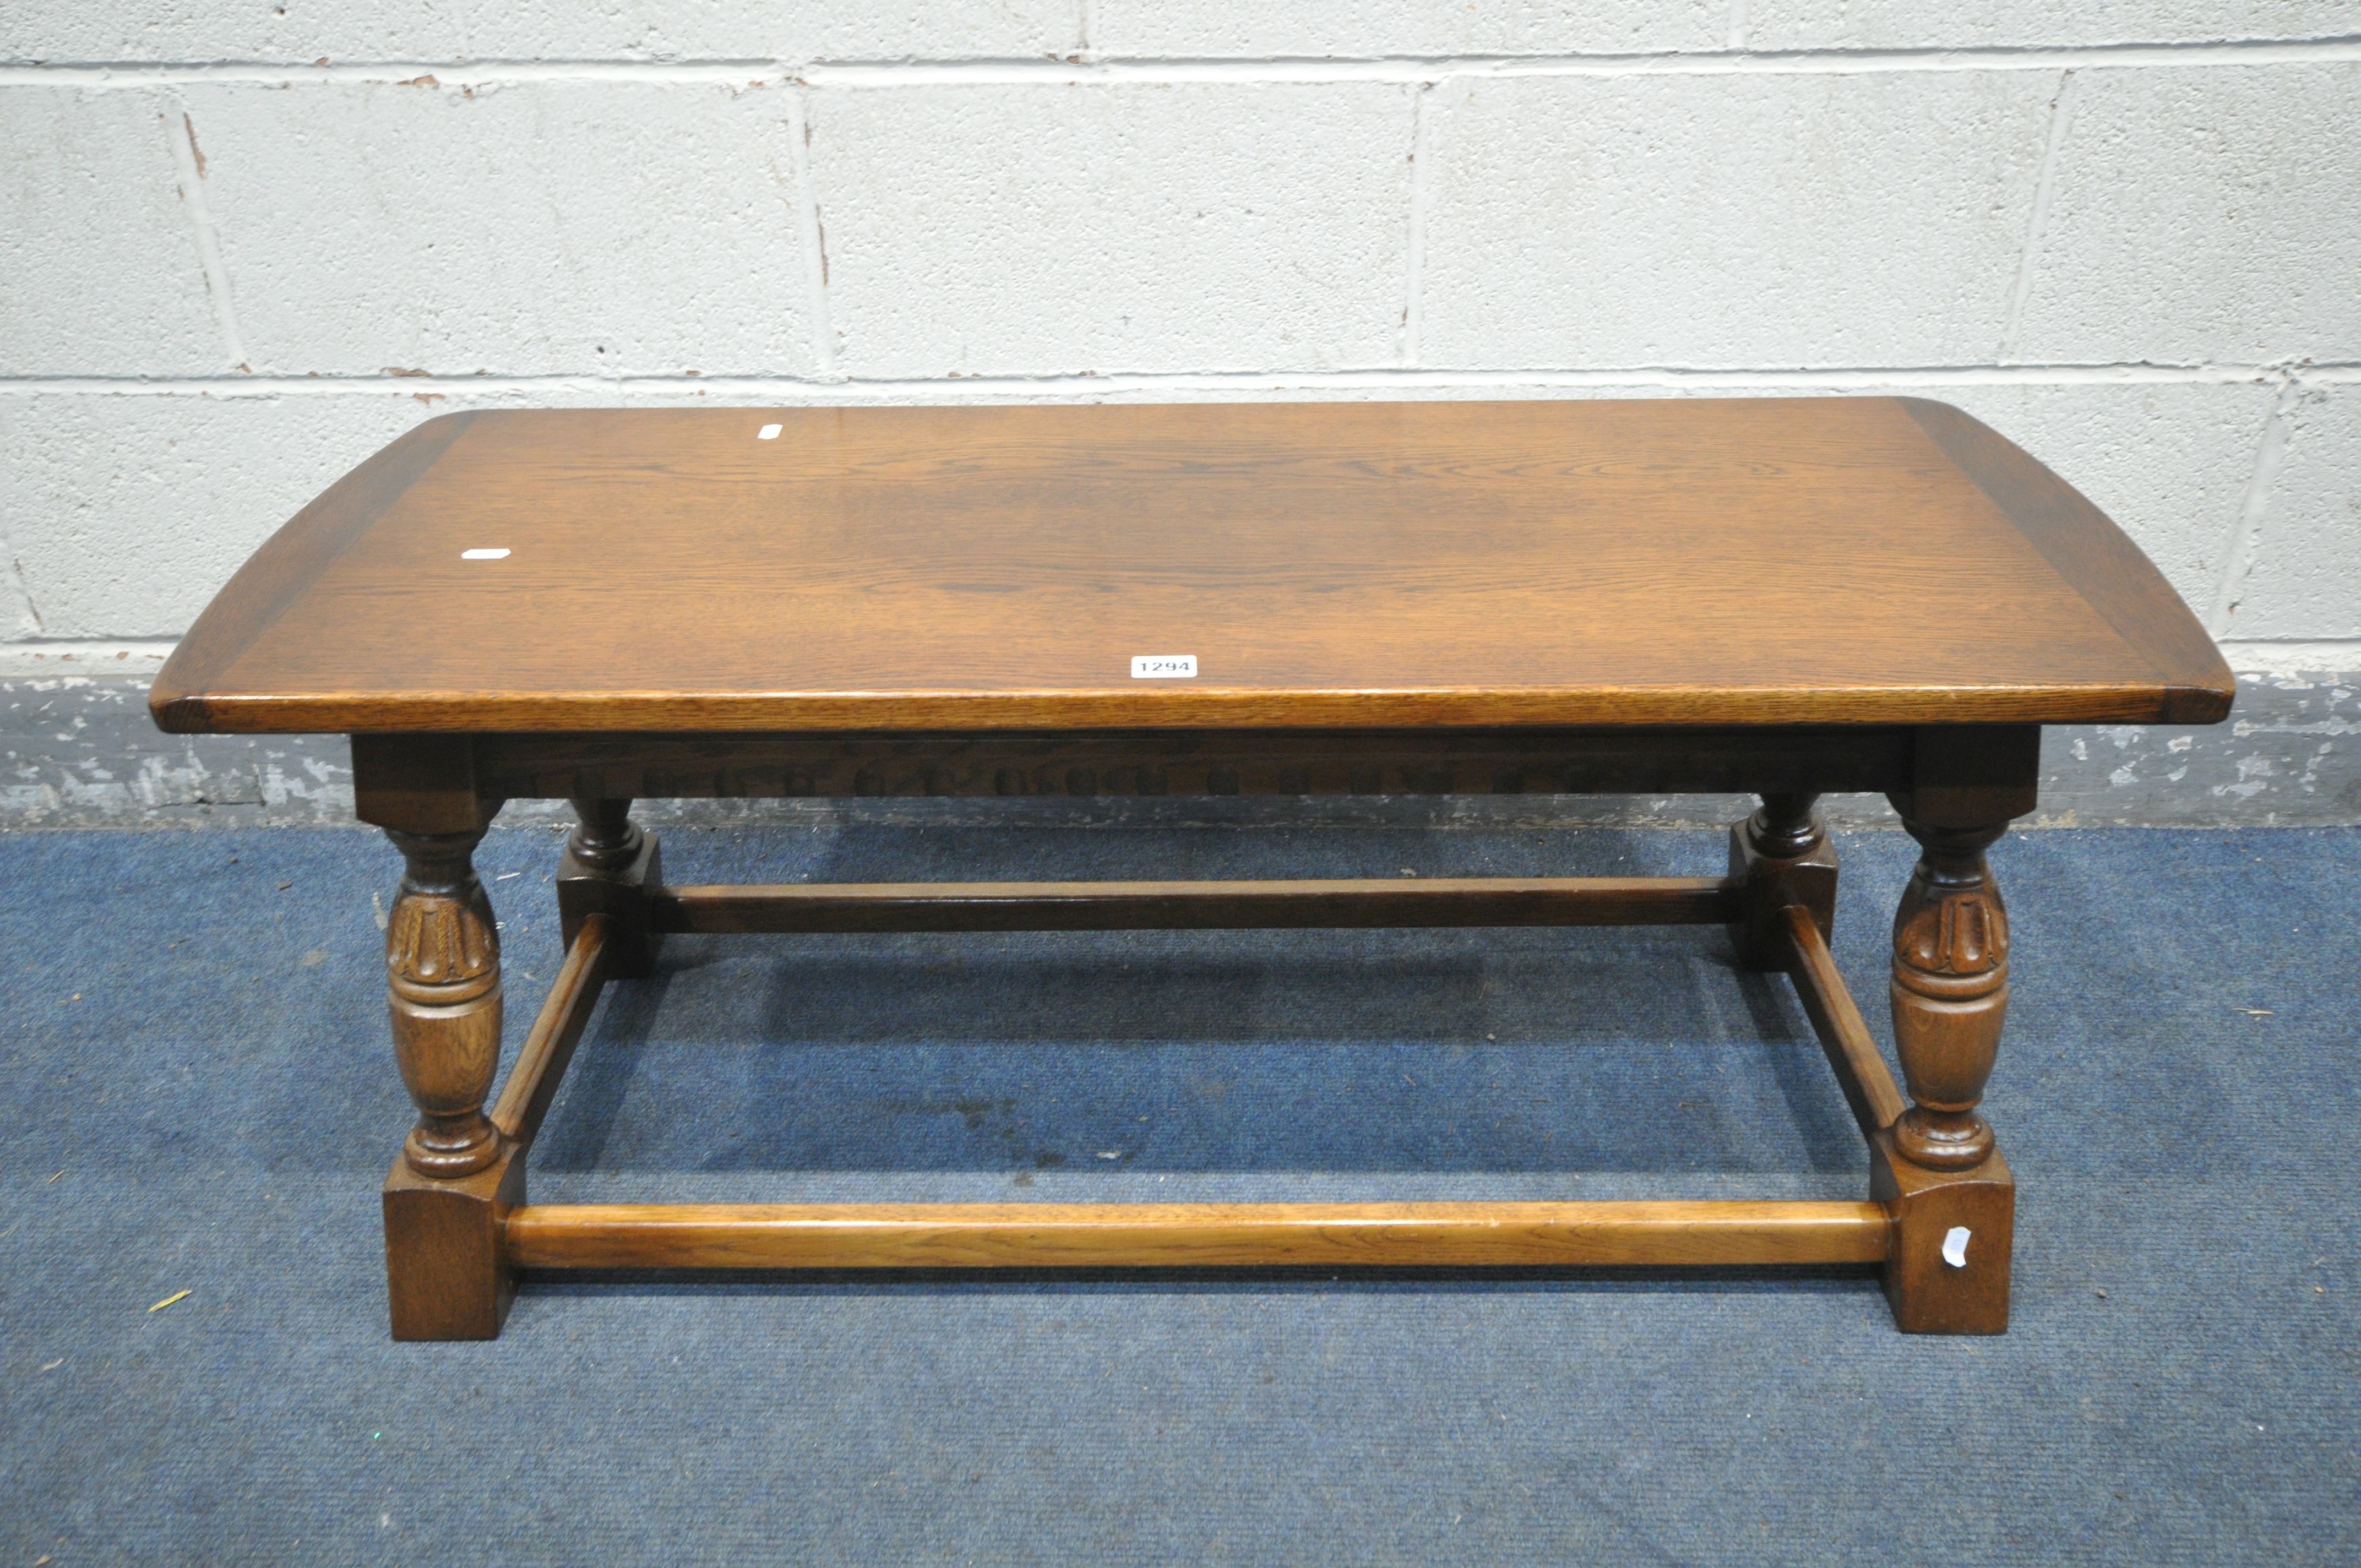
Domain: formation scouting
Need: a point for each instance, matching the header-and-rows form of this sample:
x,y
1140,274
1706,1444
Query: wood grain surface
x,y
1844,1034
1148,1236
1461,761
1194,905
1677,562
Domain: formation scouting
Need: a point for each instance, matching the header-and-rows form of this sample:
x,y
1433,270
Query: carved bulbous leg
x,y
1950,993
443,978
1780,856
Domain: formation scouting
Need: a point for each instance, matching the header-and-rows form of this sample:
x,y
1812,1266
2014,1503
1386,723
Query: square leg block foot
x,y
444,1276
1953,1230
1766,888
622,896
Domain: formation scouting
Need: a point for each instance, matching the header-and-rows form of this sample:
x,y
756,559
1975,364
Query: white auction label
x,y
1164,666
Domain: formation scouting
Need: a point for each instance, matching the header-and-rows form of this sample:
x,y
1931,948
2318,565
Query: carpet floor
x,y
201,1099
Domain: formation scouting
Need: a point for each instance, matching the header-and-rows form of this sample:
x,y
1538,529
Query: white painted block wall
x,y
243,243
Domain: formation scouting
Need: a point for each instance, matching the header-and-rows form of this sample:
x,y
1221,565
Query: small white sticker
x,y
483,555
768,433
1164,666
1955,1247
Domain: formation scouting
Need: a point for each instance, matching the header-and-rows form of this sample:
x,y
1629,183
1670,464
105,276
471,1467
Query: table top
x,y
1671,561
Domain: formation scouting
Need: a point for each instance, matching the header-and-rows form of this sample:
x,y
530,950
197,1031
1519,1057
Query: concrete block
x,y
371,30
99,268
2305,581
2290,756
2203,214
124,513
1913,24
2170,463
1363,28
581,226
79,751
1020,229
1727,220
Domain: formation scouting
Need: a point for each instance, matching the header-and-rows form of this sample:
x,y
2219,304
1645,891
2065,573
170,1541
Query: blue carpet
x,y
201,1098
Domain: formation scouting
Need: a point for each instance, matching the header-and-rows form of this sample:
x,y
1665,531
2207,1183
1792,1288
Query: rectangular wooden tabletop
x,y
1677,562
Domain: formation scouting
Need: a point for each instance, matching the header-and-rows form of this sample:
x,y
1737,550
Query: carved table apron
x,y
1782,597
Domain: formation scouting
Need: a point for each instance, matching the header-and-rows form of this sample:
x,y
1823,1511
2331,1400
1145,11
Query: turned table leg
x,y
608,865
1937,1164
443,984
443,980
1950,993
1780,856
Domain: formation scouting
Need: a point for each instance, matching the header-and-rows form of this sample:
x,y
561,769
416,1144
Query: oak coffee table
x,y
1782,597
